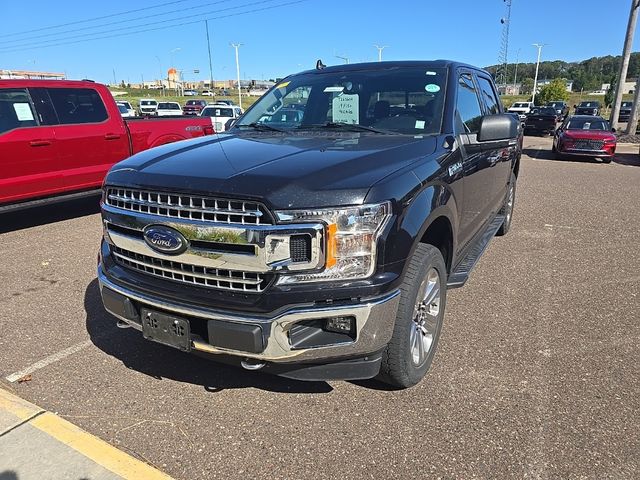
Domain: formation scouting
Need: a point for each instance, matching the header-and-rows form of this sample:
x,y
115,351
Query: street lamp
x,y
346,59
380,49
237,46
535,80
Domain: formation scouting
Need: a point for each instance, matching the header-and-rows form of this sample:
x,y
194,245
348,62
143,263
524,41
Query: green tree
x,y
526,86
556,90
611,91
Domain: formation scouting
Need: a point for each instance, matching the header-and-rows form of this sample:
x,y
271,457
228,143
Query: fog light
x,y
340,324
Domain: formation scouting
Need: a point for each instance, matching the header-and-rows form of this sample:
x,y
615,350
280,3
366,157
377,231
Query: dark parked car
x,y
541,120
588,108
194,107
561,108
586,136
320,248
625,111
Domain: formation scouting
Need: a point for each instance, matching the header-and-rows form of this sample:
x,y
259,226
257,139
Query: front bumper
x,y
374,322
588,153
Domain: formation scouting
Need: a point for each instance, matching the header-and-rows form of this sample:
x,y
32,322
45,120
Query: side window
x,y
468,108
78,105
489,95
15,110
44,107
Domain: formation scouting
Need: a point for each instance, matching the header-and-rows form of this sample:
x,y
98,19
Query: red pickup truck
x,y
58,138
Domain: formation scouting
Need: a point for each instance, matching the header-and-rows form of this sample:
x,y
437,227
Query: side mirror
x,y
575,106
497,127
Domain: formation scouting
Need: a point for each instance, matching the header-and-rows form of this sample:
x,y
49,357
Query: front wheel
x,y
409,354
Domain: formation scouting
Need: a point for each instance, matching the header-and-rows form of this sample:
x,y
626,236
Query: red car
x,y
193,107
58,138
586,135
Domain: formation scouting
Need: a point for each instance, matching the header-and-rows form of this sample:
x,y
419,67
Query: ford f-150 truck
x,y
316,246
59,138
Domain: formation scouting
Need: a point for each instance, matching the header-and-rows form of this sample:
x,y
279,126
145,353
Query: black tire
x,y
398,365
606,159
553,147
507,207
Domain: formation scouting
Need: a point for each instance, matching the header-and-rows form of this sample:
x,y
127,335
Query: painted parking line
x,y
56,357
63,432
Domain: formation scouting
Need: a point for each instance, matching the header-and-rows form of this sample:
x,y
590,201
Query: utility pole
x,y
622,77
237,46
633,119
380,49
206,24
535,80
504,46
115,82
515,76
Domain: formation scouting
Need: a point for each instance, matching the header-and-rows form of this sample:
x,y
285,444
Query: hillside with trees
x,y
587,75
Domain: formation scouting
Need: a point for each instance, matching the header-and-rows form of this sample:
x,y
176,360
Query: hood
x,y
281,170
588,134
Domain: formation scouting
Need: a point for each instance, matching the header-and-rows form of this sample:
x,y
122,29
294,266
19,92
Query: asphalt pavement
x,y
536,375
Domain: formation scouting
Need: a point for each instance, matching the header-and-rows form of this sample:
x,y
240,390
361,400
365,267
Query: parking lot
x,y
536,374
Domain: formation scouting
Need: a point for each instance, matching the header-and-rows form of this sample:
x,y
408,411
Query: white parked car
x,y
124,112
190,93
207,93
166,109
131,111
148,106
220,115
522,109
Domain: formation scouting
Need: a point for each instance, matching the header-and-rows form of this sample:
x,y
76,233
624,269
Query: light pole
x,y
515,76
535,80
206,23
346,59
237,46
380,49
161,74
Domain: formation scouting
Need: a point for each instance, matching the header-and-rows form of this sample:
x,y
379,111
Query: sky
x,y
280,37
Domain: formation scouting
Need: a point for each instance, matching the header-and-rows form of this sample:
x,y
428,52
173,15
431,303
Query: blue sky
x,y
289,38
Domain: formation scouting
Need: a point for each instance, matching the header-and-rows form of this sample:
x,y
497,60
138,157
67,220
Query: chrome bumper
x,y
375,319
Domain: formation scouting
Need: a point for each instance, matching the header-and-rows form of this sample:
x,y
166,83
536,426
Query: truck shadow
x,y
45,214
162,362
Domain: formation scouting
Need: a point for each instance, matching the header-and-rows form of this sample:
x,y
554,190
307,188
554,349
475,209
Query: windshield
x,y
588,124
626,104
556,104
401,100
123,109
193,102
168,106
589,104
148,102
217,112
544,111
520,105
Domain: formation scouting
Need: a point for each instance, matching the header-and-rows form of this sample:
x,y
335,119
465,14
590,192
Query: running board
x,y
12,207
460,275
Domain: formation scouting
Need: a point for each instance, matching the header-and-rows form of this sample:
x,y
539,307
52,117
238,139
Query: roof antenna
x,y
320,65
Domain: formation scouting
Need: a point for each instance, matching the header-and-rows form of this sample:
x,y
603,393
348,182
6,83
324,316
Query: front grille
x,y
588,145
248,282
187,206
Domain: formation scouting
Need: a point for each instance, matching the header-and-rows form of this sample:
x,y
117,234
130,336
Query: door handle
x,y
112,136
40,143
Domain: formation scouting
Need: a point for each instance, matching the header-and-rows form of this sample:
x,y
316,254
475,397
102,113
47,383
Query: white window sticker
x,y
345,109
333,89
420,124
432,88
431,73
23,112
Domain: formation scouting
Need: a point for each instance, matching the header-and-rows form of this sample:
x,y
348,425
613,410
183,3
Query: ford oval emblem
x,y
165,240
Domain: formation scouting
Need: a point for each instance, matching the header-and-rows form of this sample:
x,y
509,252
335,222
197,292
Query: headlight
x,y
351,235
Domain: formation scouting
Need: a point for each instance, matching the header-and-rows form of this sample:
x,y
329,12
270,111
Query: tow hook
x,y
249,364
122,324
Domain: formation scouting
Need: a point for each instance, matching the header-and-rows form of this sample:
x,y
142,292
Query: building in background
x,y
628,87
29,75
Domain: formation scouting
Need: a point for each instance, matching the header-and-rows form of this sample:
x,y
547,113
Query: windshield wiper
x,y
263,127
353,127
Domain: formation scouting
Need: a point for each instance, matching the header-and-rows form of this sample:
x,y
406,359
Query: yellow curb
x,y
74,437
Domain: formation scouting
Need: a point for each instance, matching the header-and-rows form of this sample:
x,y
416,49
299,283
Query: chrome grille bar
x,y
192,274
174,205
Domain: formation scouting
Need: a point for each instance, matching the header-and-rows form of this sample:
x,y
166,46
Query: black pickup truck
x,y
318,245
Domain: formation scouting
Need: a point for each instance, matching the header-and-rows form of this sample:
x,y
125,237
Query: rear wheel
x,y
507,208
410,352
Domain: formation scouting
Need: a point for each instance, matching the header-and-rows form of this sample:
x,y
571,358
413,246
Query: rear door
x,y
29,164
89,142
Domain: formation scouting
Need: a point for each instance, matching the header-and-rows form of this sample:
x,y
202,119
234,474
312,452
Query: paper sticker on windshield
x,y
430,73
420,124
23,112
432,88
346,109
333,89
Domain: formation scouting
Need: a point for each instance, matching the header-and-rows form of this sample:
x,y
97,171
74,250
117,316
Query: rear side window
x,y
489,96
15,110
468,109
78,105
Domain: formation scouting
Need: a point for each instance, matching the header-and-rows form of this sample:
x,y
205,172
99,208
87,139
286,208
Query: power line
x,y
160,28
118,22
93,19
111,30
